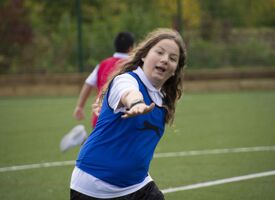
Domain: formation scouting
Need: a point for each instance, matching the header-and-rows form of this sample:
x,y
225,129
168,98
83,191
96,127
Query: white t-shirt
x,y
92,78
126,82
92,186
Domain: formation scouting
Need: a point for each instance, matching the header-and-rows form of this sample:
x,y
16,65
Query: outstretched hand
x,y
138,109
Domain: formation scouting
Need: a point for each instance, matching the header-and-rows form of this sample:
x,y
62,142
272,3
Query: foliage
x,y
15,32
252,52
41,36
245,13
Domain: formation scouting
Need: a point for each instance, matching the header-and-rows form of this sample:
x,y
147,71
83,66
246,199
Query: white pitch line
x,y
219,182
39,165
214,151
157,155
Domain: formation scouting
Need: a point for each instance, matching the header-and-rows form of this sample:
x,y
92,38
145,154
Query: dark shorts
x,y
148,192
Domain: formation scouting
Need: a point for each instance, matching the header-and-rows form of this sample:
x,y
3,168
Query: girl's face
x,y
161,62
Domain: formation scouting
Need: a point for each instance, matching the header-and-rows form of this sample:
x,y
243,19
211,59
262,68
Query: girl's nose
x,y
164,58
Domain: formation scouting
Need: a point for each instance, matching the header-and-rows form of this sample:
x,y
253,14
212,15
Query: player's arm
x,y
89,85
125,97
133,101
83,96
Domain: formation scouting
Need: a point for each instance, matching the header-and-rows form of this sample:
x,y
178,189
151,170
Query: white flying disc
x,y
73,138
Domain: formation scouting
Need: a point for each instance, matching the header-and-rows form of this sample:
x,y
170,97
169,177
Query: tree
x,y
15,32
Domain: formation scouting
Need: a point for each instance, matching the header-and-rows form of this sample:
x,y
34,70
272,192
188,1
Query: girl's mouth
x,y
160,69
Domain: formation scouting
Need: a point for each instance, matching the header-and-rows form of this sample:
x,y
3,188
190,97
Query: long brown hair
x,y
172,89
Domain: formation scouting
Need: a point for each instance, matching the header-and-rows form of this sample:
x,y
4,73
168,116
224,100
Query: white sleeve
x,y
92,78
121,84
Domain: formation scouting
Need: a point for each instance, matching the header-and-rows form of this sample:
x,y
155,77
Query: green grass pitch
x,y
31,129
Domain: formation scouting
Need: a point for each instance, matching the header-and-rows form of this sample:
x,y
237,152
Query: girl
x,y
114,161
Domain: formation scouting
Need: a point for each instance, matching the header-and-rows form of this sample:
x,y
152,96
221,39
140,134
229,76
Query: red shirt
x,y
106,68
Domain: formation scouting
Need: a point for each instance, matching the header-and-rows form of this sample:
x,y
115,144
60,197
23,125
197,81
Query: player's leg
x,y
148,192
79,196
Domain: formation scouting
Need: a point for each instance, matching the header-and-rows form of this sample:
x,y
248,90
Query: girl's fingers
x,y
137,110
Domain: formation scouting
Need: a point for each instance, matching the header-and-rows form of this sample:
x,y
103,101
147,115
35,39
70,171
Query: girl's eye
x,y
159,52
173,59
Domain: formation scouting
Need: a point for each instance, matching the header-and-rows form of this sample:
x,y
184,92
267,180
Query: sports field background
x,y
31,129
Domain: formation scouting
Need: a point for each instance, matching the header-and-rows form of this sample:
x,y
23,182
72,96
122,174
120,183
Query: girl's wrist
x,y
136,102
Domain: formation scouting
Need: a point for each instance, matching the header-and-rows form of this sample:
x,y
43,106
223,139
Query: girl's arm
x,y
133,100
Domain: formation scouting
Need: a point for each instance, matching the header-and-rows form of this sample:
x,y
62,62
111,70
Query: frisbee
x,y
75,137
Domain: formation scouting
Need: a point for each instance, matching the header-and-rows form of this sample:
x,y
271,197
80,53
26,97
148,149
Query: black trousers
x,y
148,192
